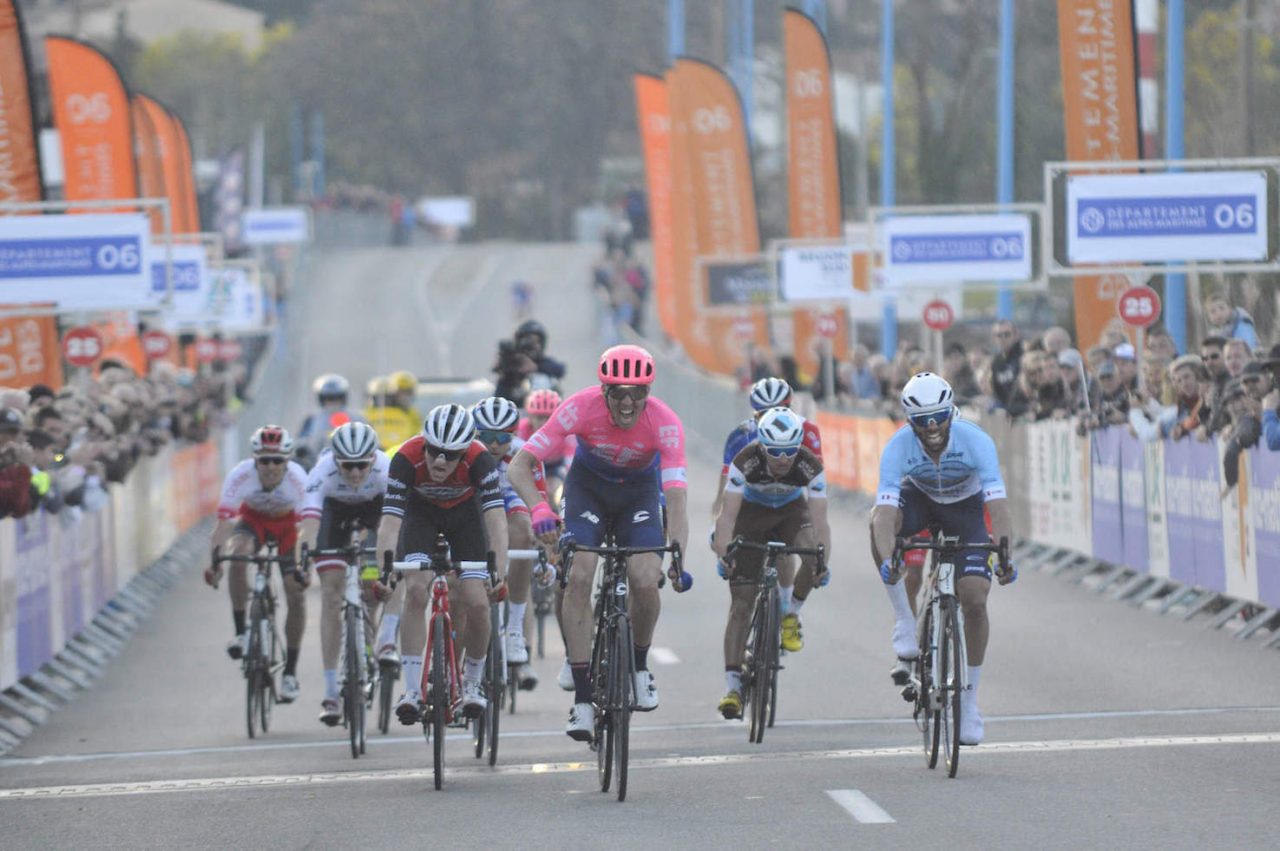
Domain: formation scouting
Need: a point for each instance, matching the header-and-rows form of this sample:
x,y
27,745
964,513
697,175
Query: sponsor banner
x,y
1264,495
818,273
244,307
653,117
813,168
737,282
947,249
33,558
166,142
92,114
1152,218
1240,573
446,211
79,262
20,162
1108,524
275,226
30,352
229,201
186,284
150,160
1194,508
187,176
1157,527
1133,506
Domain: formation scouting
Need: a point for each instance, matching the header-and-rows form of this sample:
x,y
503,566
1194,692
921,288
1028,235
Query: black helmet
x,y
532,327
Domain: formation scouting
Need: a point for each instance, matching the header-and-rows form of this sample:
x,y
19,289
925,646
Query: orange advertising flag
x,y
19,151
1100,116
653,118
91,111
167,143
191,211
30,352
708,123
149,154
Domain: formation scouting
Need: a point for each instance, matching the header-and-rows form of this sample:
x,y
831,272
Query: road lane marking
x,y
734,729
860,806
221,784
664,656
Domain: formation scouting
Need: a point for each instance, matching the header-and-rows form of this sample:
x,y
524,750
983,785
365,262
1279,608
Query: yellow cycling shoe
x,y
792,640
731,705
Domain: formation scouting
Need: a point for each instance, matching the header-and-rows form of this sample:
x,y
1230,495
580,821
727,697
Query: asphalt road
x,y
1106,727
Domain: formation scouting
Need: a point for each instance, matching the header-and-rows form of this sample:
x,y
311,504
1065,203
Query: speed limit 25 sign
x,y
1139,307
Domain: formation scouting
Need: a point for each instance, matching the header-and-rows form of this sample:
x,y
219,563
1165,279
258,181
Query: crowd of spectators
x,y
60,450
620,283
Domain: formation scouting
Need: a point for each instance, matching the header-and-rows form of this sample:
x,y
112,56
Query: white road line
x,y
860,806
218,784
734,729
664,656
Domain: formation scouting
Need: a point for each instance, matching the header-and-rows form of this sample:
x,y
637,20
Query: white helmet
x,y
927,394
780,428
331,386
769,393
449,427
354,441
496,414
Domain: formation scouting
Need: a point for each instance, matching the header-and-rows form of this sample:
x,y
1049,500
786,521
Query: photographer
x,y
523,365
15,466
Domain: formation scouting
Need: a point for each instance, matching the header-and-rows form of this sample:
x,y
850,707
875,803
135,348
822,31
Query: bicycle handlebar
x,y
309,555
679,579
903,543
778,548
261,560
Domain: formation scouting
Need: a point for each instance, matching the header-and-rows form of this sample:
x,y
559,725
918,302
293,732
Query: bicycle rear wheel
x,y
927,698
775,661
620,703
439,698
949,686
601,664
352,691
496,680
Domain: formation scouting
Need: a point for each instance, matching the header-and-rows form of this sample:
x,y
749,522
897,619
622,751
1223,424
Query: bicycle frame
x,y
439,610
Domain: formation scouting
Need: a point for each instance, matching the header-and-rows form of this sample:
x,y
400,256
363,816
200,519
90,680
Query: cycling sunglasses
x,y
923,421
781,451
634,392
354,465
446,454
271,461
493,436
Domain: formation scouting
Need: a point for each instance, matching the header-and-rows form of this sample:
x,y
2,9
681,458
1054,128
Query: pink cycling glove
x,y
544,519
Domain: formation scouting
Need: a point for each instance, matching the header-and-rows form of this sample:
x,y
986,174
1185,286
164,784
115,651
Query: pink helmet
x,y
541,403
626,365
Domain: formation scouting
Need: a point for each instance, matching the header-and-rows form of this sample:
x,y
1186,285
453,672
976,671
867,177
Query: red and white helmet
x,y
626,364
271,440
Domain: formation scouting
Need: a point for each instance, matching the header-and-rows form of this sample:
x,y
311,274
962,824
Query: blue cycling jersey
x,y
742,434
969,465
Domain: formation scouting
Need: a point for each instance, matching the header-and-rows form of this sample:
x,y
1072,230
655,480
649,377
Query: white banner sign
x,y
80,262
189,301
275,225
1153,218
456,211
956,249
243,308
818,273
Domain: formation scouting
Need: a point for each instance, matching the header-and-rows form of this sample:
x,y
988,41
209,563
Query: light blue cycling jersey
x,y
969,465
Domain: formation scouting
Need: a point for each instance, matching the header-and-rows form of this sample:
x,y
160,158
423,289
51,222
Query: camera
x,y
509,358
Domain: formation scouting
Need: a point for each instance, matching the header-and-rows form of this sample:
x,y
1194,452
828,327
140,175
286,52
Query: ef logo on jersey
x,y
567,416
669,436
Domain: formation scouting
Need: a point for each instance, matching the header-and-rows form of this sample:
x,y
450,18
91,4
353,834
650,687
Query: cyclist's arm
x,y
993,490
725,521
678,516
717,504
886,517
399,479
886,520
817,497
309,530
1001,519
523,478
221,532
388,534
495,523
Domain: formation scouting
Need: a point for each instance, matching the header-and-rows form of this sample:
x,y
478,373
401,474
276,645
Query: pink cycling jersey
x,y
568,444
243,488
612,451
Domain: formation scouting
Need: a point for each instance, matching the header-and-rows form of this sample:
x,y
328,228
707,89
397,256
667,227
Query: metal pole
x,y
889,323
1175,288
746,60
675,29
1004,133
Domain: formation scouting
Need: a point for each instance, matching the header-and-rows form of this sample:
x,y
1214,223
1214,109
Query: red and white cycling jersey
x,y
243,490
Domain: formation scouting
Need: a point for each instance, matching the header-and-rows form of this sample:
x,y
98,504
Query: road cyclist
x,y
776,491
345,490
261,499
444,481
621,430
941,471
331,391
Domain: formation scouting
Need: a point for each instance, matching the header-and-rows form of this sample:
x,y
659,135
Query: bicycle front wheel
x,y
601,665
352,690
927,698
621,693
764,655
386,698
949,685
253,671
439,698
496,681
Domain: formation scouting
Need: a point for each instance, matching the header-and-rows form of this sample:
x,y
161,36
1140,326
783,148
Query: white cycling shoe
x,y
905,644
289,688
407,707
517,650
582,722
473,701
646,692
526,677
565,677
236,646
971,725
388,657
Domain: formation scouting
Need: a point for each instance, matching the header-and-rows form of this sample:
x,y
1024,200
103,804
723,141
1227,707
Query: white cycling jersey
x,y
326,482
243,489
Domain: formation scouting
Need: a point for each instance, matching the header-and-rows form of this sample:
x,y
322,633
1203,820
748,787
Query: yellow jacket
x,y
393,425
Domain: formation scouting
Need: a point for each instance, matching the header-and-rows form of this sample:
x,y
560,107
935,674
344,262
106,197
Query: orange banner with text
x,y
653,118
712,164
150,157
20,162
167,147
91,111
851,448
187,173
1100,116
30,352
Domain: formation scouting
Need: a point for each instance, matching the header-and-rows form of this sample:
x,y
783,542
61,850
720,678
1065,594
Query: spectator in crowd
x,y
1245,428
958,372
1127,365
1235,355
1006,362
1161,343
1271,404
1230,322
1055,340
1114,335
1256,380
1188,376
1095,357
1156,380
1075,396
1110,405
862,381
1211,354
15,466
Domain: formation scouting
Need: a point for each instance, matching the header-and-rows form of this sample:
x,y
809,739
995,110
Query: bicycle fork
x,y
945,590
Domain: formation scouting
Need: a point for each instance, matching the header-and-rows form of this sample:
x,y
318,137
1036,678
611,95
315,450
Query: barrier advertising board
x,y
275,225
1167,217
190,270
737,282
949,249
80,262
818,273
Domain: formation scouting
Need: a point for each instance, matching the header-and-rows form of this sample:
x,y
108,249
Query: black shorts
x,y
337,519
463,528
762,524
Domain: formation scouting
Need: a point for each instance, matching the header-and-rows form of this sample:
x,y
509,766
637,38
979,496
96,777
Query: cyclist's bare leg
x,y
470,610
645,604
741,599
913,575
332,584
973,591
295,622
238,572
415,596
806,537
575,619
787,583
520,571
390,622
